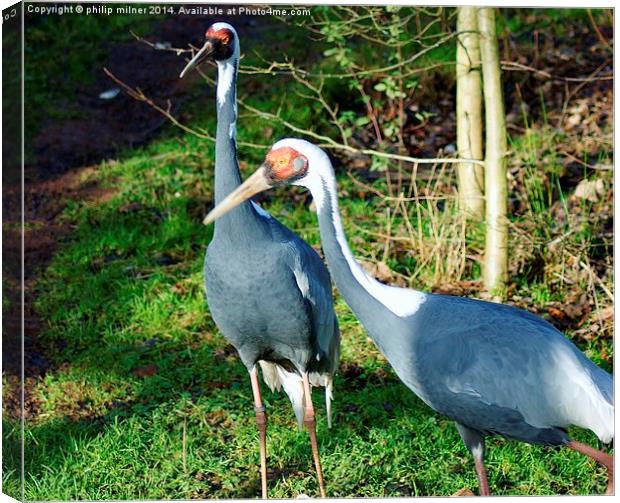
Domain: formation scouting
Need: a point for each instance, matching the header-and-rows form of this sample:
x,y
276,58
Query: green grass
x,y
146,400
125,292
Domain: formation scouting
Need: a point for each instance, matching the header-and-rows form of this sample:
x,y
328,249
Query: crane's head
x,y
221,44
290,161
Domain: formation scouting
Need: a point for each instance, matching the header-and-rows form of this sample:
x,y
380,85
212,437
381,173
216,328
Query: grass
x,y
125,293
146,400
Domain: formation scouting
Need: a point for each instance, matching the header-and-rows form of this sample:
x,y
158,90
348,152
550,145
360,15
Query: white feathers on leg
x,y
270,375
293,386
329,396
326,380
277,377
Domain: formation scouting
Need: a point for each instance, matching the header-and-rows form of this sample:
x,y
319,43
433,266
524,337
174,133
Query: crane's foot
x,y
602,458
311,427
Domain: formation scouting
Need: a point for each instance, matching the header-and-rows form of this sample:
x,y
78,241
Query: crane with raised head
x,y
268,291
492,368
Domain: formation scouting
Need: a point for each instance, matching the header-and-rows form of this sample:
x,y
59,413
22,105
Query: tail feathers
x,y
605,385
595,410
602,422
583,393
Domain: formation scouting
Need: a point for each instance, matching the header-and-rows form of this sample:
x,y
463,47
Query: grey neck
x,y
242,221
390,315
352,281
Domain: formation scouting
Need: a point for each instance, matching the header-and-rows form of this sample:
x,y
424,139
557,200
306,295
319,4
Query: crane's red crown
x,y
286,163
224,35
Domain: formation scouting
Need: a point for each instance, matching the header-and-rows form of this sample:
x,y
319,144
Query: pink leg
x,y
310,425
600,457
261,423
482,478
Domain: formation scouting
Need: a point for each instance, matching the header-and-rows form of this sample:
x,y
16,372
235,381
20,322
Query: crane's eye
x,y
299,163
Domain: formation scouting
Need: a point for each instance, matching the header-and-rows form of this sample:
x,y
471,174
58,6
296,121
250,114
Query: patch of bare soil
x,y
106,125
109,124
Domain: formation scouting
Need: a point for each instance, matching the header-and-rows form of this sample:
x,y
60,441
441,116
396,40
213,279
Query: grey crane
x,y
492,368
267,289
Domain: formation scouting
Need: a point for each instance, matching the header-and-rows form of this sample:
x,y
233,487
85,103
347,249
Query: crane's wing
x,y
314,283
503,357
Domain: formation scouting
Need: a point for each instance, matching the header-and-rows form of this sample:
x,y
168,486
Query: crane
x,y
268,291
492,368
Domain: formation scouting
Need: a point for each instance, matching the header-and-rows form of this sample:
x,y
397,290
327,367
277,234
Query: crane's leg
x,y
475,443
600,457
311,426
261,423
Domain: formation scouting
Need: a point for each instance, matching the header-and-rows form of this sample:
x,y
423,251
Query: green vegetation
x,y
146,400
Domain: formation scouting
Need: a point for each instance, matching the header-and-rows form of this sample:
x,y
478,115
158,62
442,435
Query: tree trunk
x,y
496,190
469,114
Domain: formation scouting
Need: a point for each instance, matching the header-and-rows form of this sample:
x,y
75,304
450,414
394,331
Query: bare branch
x,y
139,95
514,66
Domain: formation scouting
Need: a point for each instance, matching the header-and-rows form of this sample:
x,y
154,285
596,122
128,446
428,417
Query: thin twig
x,y
599,34
329,142
569,95
139,95
512,66
585,164
176,50
386,197
326,141
598,280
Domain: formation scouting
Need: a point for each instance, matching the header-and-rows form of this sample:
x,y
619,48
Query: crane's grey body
x,y
268,290
270,309
493,368
496,369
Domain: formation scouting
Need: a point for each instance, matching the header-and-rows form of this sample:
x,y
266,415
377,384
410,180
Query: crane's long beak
x,y
200,56
258,182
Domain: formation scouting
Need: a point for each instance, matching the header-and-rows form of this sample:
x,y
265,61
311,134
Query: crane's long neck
x,y
374,303
241,220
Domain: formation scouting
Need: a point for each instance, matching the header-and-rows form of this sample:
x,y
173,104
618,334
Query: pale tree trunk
x,y
469,114
495,182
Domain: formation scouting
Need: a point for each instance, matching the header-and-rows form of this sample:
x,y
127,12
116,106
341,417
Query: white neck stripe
x,y
225,80
401,301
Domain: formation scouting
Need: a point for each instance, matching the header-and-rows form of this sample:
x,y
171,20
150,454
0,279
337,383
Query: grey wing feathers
x,y
510,359
314,284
